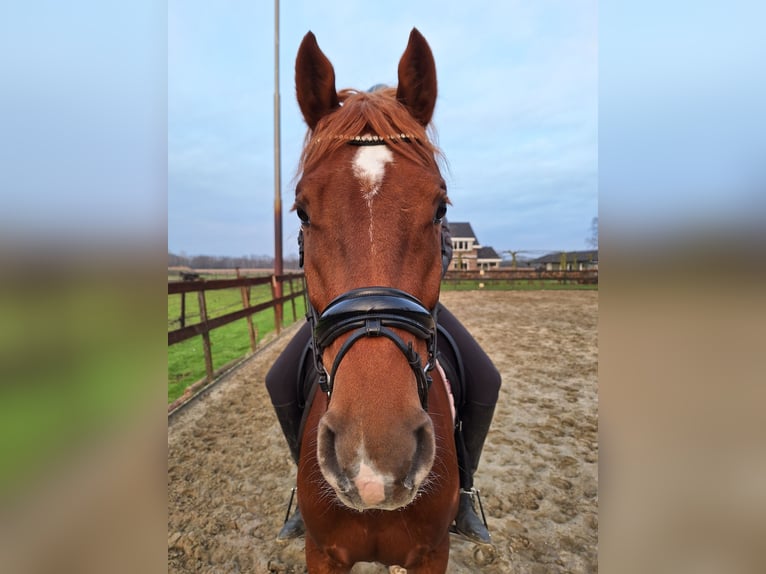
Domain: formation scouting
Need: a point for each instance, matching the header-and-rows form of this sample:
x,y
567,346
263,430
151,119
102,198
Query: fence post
x,y
277,306
292,299
205,336
183,309
245,291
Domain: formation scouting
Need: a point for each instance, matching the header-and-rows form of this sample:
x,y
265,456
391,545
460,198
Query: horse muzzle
x,y
375,446
385,474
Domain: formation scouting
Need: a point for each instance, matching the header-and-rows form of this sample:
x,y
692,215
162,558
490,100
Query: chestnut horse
x,y
378,476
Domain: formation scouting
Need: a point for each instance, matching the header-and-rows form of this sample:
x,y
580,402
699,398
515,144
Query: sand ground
x,y
230,474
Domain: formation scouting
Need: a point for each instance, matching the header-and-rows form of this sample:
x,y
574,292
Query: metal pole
x,y
278,269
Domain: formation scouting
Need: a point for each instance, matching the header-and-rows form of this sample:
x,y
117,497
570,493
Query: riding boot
x,y
472,431
289,417
293,527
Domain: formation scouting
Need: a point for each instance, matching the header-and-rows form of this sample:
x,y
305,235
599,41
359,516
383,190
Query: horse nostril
x,y
325,443
328,458
344,485
424,438
424,456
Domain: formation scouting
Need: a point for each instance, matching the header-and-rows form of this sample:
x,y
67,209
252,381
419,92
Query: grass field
x,y
78,355
186,361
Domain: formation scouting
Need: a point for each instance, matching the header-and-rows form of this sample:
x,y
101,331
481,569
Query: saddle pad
x,y
448,388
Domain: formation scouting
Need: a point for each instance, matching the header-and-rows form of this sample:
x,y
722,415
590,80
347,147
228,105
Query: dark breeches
x,y
482,378
282,379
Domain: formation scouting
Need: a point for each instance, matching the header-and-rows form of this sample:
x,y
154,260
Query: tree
x,y
593,239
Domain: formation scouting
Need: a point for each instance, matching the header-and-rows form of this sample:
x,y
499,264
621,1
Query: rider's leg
x,y
282,385
482,386
289,417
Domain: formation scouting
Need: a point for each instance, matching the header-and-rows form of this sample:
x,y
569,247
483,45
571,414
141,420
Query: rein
x,y
372,312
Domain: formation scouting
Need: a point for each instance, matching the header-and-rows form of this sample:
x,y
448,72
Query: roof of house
x,y
584,256
461,229
521,261
487,253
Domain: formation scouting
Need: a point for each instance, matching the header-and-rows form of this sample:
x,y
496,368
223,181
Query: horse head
x,y
371,200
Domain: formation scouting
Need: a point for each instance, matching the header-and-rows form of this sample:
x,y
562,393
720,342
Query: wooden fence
x,y
294,281
296,287
585,276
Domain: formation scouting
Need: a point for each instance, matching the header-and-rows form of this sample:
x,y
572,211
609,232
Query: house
x,y
467,253
487,258
568,261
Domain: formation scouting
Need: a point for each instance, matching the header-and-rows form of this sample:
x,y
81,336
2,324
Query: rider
x,y
482,385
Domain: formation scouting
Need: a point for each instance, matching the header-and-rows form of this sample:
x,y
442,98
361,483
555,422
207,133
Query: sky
x,y
516,116
145,123
682,129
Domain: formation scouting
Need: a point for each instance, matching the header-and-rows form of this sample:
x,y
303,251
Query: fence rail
x,y
297,288
586,276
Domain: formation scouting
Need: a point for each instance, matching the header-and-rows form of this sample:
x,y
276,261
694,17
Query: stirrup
x,y
292,527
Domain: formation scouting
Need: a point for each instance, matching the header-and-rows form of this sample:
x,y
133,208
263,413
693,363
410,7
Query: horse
x,y
378,474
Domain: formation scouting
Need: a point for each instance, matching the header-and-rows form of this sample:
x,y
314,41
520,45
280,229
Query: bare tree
x,y
224,262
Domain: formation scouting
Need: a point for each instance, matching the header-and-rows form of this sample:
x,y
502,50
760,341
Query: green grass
x,y
79,356
219,302
186,360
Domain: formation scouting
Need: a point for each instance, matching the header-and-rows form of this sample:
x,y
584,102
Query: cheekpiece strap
x,y
373,312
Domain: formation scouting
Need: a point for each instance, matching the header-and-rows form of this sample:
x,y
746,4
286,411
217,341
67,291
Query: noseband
x,y
373,312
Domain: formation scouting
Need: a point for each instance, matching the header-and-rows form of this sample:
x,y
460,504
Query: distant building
x,y
567,261
487,258
467,253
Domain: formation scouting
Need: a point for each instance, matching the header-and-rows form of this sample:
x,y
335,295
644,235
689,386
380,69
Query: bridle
x,y
373,312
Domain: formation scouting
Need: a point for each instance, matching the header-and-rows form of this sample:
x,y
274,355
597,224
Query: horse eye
x,y
303,216
441,211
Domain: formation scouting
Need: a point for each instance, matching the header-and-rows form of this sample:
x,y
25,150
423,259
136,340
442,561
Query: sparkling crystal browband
x,y
367,139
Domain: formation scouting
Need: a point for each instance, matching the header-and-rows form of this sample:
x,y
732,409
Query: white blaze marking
x,y
369,167
370,485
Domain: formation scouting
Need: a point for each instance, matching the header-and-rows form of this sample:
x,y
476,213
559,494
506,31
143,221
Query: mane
x,y
377,113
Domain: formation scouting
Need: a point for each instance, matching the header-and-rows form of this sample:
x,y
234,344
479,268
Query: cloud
x,y
516,113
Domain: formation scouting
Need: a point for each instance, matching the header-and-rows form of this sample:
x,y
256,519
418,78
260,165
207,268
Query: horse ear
x,y
314,82
417,78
